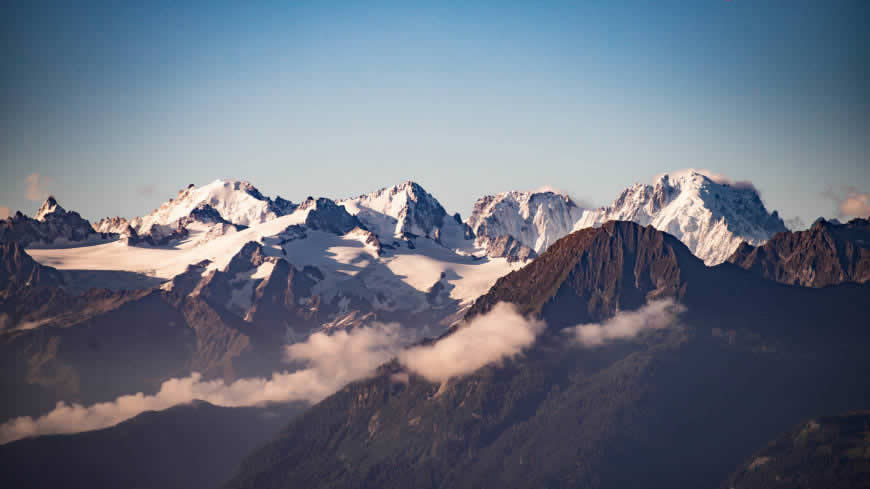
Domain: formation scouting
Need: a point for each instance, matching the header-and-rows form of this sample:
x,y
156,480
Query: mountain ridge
x,y
711,216
828,253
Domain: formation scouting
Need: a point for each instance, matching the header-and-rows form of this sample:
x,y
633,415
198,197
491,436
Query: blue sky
x,y
116,108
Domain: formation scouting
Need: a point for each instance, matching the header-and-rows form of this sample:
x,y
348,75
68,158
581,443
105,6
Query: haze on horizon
x,y
113,109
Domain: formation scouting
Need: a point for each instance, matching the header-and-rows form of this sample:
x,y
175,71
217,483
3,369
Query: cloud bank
x,y
328,361
626,325
331,362
501,333
4,212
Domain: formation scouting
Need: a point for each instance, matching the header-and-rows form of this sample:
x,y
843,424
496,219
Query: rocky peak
x,y
406,208
282,206
325,215
250,256
50,206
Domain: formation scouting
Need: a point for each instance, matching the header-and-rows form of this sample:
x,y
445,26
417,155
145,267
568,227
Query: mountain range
x,y
230,274
676,311
710,216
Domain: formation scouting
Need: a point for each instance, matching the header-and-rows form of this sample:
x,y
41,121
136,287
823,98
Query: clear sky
x,y
116,108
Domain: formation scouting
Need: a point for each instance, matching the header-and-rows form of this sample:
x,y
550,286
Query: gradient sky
x,y
117,108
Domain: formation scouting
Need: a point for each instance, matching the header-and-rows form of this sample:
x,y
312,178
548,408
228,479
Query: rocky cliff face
x,y
828,253
261,289
523,220
325,215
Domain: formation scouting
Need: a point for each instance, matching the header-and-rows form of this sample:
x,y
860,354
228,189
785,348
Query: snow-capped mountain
x,y
520,225
236,201
53,226
391,255
394,253
711,218
406,211
199,214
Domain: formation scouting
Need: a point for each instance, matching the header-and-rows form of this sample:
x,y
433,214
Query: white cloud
x,y
332,361
499,334
855,204
35,189
720,178
626,325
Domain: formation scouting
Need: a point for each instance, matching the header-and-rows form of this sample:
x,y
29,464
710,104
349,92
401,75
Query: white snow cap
x,y
709,213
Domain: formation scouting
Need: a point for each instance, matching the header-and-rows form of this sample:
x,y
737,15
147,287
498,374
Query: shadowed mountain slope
x,y
678,407
195,445
828,451
828,253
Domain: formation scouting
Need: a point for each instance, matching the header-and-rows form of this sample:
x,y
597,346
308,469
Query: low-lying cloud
x,y
502,333
628,324
4,212
328,361
331,362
